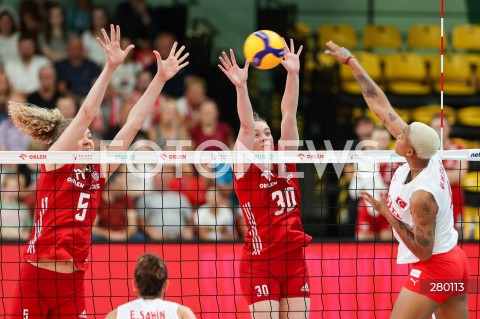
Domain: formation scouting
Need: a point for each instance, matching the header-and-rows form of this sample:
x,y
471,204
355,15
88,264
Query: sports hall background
x,y
327,111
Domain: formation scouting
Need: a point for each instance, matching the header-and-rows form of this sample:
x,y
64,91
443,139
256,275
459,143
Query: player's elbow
x,y
425,255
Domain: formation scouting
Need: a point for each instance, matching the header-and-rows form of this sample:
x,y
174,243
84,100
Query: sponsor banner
x,y
212,157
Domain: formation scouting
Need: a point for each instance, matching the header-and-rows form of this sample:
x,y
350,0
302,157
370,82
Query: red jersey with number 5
x,y
67,204
270,202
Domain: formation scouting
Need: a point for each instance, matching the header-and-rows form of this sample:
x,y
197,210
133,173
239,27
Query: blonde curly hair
x,y
41,124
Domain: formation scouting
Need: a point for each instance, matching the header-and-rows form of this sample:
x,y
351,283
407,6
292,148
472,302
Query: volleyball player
x,y
52,279
273,272
151,281
419,208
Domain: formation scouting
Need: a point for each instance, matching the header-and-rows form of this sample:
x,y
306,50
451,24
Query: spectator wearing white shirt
x,y
23,72
9,34
215,220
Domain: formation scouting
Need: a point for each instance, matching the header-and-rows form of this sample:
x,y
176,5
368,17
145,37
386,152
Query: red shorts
x,y
43,293
283,277
368,223
443,276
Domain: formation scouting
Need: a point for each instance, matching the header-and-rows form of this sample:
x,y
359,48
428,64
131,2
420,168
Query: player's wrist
x,y
349,59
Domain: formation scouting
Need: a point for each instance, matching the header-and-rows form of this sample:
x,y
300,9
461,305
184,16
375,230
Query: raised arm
x,y
87,112
289,129
238,77
376,100
166,69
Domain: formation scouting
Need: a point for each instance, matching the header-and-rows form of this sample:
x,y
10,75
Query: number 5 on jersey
x,y
285,200
83,206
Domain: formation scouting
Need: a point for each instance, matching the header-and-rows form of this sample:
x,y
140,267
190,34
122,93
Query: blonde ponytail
x,y
40,124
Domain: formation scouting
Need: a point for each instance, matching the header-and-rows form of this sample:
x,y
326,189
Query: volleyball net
x,y
181,205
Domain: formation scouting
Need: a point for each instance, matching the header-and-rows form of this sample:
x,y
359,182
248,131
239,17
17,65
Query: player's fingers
x,y
300,50
223,70
332,45
112,32
232,56
183,57
118,33
224,63
105,36
226,59
328,52
179,52
100,42
292,46
247,64
181,66
174,47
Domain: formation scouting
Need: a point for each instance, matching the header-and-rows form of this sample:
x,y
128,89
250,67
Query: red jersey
x,y
270,202
67,204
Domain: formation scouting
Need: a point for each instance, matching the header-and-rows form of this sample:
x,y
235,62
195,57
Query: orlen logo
x,y
163,156
33,156
301,156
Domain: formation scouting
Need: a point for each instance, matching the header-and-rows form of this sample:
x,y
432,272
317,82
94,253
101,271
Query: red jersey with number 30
x,y
270,202
67,204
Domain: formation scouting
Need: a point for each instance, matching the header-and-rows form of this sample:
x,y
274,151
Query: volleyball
x,y
263,49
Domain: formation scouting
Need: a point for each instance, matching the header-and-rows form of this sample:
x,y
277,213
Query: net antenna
x,y
442,15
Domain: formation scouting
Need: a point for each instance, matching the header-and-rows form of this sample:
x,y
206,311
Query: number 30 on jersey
x,y
285,200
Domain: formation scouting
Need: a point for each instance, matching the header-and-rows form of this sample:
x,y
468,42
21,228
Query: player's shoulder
x,y
185,312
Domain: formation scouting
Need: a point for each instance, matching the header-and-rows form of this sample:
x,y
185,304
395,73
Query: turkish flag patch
x,y
400,202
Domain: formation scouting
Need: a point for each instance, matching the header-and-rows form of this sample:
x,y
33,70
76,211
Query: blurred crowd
x,y
50,57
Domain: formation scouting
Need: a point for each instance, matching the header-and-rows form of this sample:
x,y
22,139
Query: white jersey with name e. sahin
x,y
434,180
148,309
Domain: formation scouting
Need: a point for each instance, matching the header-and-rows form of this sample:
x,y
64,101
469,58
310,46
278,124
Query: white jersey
x,y
148,308
434,180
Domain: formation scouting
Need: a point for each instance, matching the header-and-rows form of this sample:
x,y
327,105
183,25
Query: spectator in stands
x,y
375,178
169,128
78,16
135,17
67,107
76,74
167,213
53,41
189,104
455,170
15,217
100,18
210,129
5,91
11,139
189,184
23,72
124,79
9,34
107,121
142,81
163,44
31,20
215,219
117,218
363,129
47,95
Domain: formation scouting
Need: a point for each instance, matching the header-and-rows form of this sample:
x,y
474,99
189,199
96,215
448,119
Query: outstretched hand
x,y
291,60
115,55
229,67
339,53
166,69
379,205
